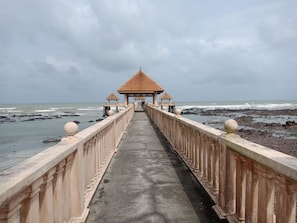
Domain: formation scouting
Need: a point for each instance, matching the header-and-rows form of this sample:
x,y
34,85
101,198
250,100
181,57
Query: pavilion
x,y
165,97
111,98
166,101
140,85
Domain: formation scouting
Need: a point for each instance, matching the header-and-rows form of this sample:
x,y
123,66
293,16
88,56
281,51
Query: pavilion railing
x,y
57,184
247,182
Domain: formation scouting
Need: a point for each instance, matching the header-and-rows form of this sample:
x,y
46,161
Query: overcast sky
x,y
83,50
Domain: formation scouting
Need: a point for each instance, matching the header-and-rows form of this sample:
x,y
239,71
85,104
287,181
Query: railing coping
x,y
22,175
188,122
280,162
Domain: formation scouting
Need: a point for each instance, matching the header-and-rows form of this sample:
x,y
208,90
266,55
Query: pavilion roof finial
x,y
140,68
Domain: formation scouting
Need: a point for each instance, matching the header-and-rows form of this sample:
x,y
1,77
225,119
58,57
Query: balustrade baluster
x,y
100,150
285,200
240,188
46,198
31,205
266,191
201,156
193,146
206,159
58,192
85,169
77,183
211,164
249,192
291,202
189,146
11,213
178,137
186,143
86,164
95,156
66,189
182,140
222,176
104,146
230,197
92,160
216,170
196,152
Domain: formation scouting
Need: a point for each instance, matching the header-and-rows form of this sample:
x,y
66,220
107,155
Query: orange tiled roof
x,y
112,97
140,83
165,96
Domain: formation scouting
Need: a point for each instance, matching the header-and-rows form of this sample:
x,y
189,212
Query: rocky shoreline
x,y
33,117
281,136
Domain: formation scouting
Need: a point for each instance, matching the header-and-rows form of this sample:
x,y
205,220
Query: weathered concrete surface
x,y
146,182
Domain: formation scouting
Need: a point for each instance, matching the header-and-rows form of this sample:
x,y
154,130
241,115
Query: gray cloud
x,y
83,50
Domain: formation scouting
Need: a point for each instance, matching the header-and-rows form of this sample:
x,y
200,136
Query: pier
x,y
151,165
147,182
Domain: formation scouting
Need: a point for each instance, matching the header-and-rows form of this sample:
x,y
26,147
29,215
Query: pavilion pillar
x,y
126,102
155,101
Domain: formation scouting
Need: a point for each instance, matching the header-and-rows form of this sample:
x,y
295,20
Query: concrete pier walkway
x,y
147,182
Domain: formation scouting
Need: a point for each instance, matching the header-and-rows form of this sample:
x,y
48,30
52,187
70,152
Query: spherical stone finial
x,y
110,112
70,128
230,126
177,111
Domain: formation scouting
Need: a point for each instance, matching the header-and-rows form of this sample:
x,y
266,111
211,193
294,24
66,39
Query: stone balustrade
x,y
247,182
57,184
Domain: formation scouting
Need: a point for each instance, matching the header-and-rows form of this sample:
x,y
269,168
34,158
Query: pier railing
x,y
247,182
57,184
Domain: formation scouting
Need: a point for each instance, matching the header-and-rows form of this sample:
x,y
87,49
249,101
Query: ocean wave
x,y
87,109
12,111
242,106
44,110
11,108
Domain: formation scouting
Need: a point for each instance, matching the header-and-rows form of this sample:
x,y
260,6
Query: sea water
x,y
24,127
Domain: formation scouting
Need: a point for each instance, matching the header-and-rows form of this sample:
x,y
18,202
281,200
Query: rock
x,y
29,120
187,111
52,140
290,123
70,114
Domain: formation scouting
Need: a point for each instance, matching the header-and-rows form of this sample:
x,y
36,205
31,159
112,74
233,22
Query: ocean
x,y
25,127
239,105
